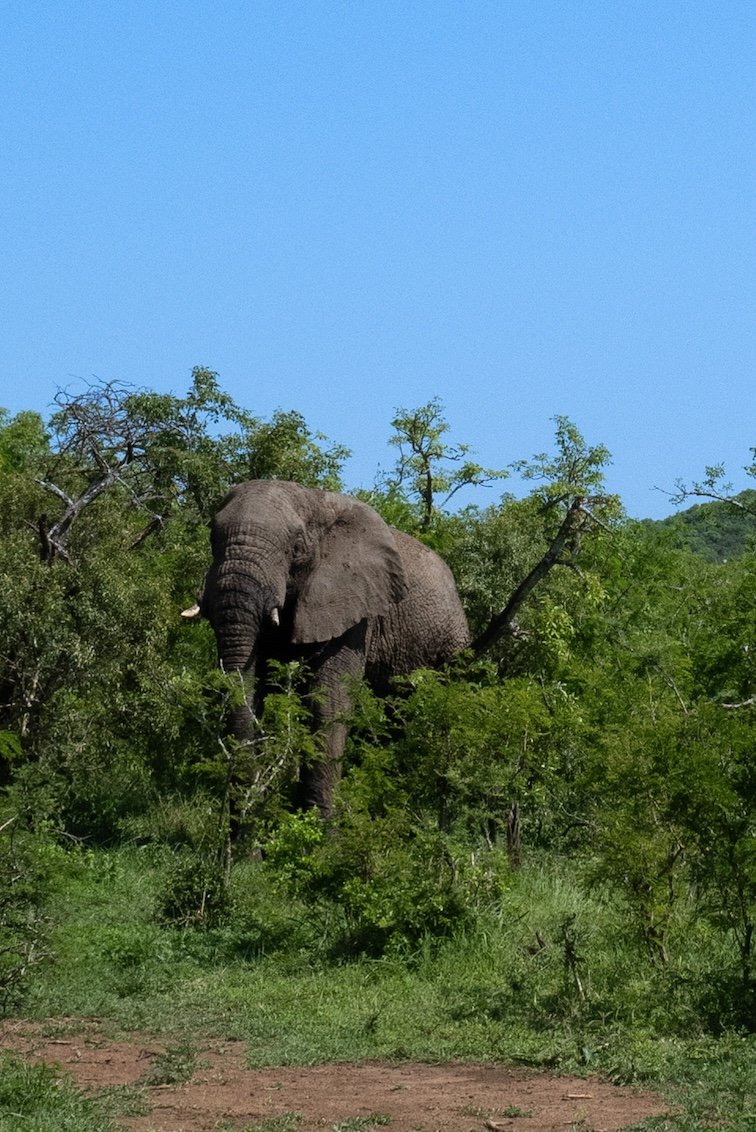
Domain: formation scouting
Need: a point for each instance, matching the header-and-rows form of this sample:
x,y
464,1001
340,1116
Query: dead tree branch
x,y
53,539
106,436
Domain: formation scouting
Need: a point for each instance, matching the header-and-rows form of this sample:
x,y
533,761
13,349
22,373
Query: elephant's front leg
x,y
335,667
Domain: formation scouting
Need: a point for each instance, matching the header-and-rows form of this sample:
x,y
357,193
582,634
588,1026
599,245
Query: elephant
x,y
304,574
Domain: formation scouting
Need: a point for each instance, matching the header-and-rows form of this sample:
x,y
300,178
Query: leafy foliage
x,y
611,727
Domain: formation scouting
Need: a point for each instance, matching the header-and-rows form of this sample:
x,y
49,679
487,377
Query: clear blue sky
x,y
525,207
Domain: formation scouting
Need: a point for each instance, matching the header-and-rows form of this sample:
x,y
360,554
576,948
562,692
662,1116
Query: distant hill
x,y
716,531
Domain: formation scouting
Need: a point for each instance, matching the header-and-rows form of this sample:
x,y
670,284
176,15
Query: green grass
x,y
286,1122
36,1099
509,989
174,1065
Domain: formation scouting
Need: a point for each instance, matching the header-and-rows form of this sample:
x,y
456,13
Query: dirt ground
x,y
222,1092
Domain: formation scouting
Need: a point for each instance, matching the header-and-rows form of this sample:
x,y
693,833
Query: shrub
x,y
388,883
24,869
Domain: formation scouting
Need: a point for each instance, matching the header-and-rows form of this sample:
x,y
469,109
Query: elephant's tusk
x,y
192,613
275,618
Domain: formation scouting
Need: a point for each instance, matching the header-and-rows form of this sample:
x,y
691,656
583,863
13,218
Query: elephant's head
x,y
293,566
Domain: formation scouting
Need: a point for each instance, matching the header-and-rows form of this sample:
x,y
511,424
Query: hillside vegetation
x,y
717,530
546,854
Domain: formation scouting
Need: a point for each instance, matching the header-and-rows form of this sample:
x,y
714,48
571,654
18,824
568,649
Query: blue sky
x,y
526,208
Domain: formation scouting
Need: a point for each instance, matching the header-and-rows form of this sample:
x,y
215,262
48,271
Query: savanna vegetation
x,y
545,854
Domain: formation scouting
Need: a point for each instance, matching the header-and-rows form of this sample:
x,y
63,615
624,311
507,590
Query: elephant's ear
x,y
357,573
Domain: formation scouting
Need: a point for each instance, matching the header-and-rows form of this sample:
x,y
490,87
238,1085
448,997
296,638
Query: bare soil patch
x,y
403,1097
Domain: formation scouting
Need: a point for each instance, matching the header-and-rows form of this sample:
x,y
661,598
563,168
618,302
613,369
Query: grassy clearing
x,y
549,977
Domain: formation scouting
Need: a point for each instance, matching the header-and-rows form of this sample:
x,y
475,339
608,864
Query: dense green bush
x,y
385,883
26,874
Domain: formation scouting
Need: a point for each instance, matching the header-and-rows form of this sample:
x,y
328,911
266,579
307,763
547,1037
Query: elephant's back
x,y
428,626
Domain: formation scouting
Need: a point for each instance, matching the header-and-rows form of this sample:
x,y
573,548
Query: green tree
x,y
23,441
429,466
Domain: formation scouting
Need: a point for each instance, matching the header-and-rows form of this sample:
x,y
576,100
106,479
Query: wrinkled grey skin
x,y
305,574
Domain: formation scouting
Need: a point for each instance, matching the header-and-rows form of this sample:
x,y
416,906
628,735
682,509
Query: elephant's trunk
x,y
236,653
238,618
242,719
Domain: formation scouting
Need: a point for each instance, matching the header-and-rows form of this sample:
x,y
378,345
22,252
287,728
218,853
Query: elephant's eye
x,y
300,551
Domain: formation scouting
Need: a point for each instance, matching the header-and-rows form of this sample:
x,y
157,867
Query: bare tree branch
x,y
53,539
53,487
105,436
699,491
